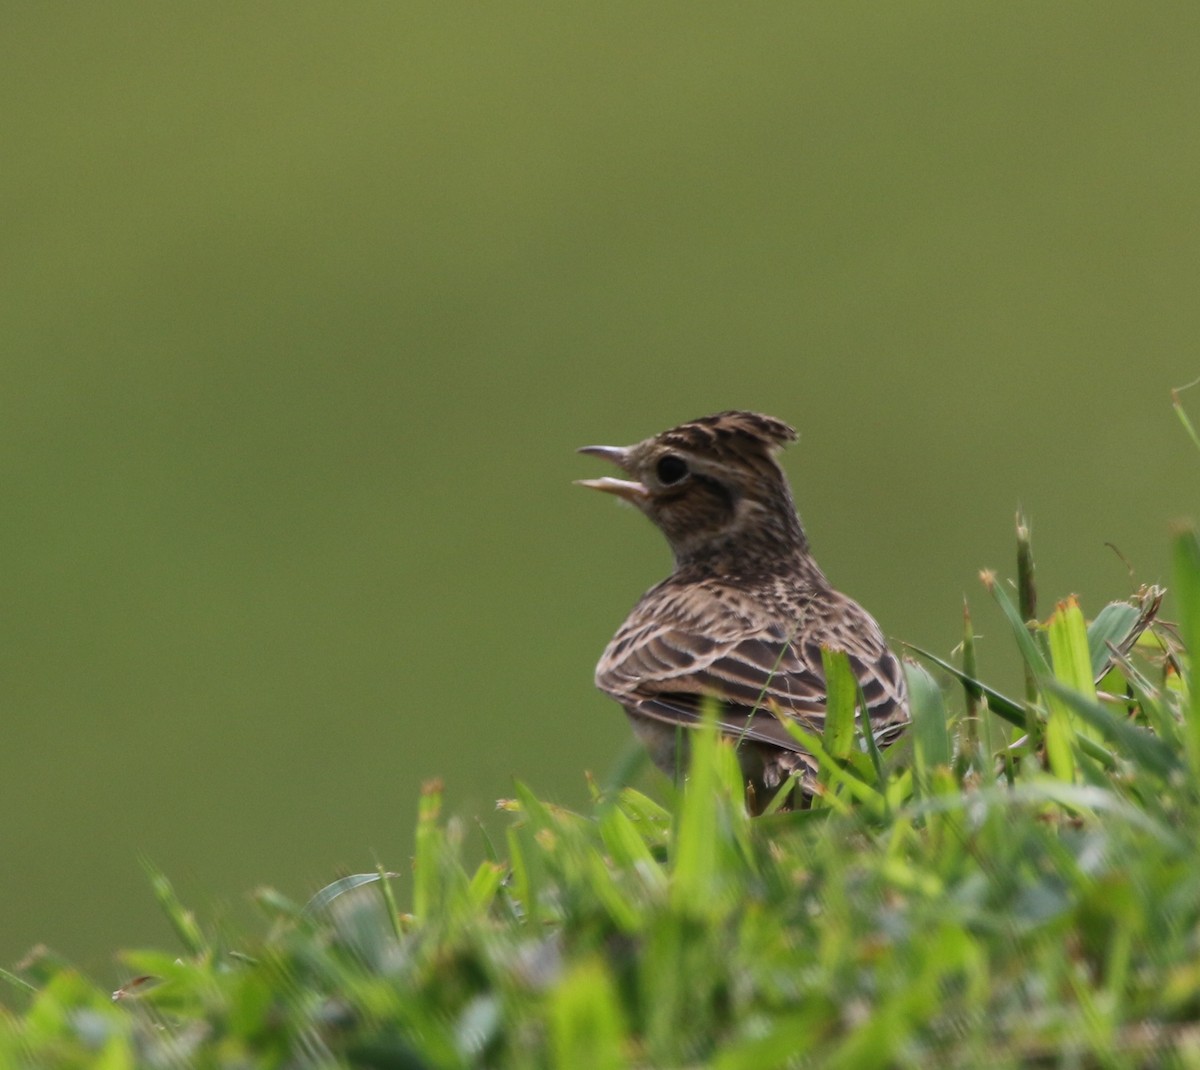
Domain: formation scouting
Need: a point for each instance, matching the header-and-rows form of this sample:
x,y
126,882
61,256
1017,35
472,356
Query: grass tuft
x,y
1012,884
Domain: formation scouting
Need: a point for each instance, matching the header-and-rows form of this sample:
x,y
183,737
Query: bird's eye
x,y
671,469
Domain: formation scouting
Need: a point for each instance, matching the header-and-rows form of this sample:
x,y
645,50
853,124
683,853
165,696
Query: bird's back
x,y
757,651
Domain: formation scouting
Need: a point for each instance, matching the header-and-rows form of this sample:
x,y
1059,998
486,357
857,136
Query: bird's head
x,y
712,485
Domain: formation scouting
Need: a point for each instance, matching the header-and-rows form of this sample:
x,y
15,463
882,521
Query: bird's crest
x,y
733,429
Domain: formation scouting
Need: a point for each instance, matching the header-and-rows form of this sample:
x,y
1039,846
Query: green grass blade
x,y
1026,593
695,864
390,906
652,818
627,845
1073,668
330,892
971,692
182,920
485,884
428,852
1182,414
17,982
841,689
1001,705
585,1020
839,777
1069,648
1187,600
1142,748
870,742
1112,625
931,736
1006,708
1030,651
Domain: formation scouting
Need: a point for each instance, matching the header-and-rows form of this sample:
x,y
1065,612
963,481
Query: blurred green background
x,y
306,307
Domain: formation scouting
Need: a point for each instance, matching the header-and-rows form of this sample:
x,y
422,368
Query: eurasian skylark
x,y
744,616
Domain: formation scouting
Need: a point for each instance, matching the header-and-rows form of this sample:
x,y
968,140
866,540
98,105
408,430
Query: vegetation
x,y
1014,884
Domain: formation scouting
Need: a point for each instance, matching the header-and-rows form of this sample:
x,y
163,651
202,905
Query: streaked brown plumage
x,y
746,612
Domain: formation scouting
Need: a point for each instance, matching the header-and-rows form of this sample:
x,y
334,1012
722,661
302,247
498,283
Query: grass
x,y
1013,884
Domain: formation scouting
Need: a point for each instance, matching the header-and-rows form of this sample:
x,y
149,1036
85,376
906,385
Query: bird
x,y
746,612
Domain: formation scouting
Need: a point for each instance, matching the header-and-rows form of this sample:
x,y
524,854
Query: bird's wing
x,y
663,665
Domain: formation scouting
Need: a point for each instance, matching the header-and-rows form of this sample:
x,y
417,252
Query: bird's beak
x,y
628,489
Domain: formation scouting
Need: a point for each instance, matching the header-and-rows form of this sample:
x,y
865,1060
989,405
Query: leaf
x,y
586,1026
838,775
1112,624
1073,669
1187,598
696,836
628,847
1030,651
1007,709
841,696
429,844
485,884
1182,413
1069,651
1119,626
931,737
340,887
1144,749
182,920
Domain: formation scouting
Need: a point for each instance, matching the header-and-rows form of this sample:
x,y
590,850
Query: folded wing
x,y
664,665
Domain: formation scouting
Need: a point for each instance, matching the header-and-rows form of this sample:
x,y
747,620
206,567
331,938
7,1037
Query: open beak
x,y
628,489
